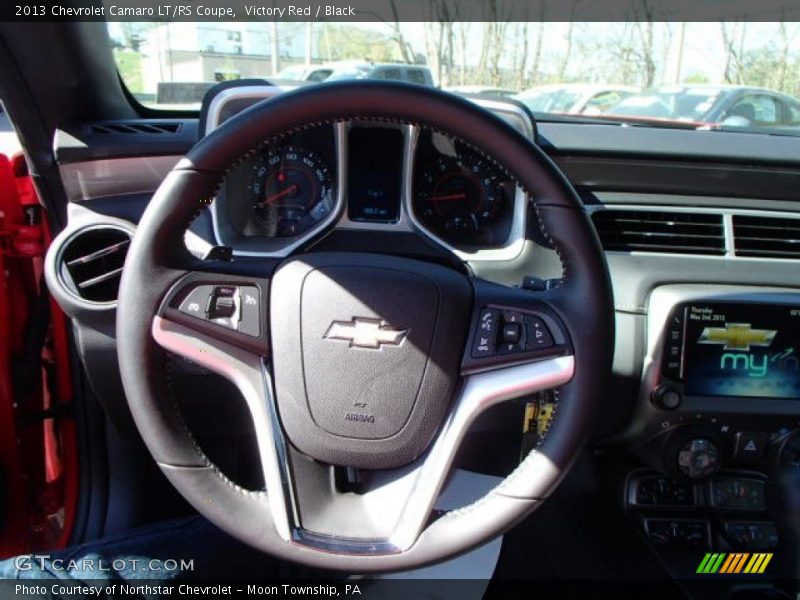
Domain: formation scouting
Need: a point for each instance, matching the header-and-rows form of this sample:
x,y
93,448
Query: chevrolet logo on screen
x,y
737,336
365,333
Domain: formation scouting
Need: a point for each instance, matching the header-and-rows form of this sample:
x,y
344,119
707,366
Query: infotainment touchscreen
x,y
742,350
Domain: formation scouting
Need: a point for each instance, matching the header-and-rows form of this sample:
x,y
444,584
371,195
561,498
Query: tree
x,y
397,35
646,53
134,34
733,40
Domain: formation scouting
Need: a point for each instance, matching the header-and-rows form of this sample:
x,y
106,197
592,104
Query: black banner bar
x,y
398,10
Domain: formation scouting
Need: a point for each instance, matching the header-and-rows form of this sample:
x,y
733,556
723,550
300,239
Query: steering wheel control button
x,y
512,333
250,306
486,334
502,332
538,336
197,302
234,307
749,446
223,307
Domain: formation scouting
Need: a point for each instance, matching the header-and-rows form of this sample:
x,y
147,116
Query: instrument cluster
x,y
291,189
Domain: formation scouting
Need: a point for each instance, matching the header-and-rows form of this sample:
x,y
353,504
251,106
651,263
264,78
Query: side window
x,y
760,109
415,76
602,101
394,74
793,114
319,75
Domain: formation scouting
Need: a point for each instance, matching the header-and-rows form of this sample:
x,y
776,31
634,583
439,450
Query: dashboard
x,y
698,231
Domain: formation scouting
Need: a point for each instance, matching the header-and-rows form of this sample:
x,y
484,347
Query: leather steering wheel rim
x,y
155,262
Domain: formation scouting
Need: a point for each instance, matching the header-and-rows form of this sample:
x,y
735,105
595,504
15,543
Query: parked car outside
x,y
716,105
574,98
312,73
419,74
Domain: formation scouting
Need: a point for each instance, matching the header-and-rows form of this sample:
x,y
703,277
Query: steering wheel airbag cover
x,y
367,381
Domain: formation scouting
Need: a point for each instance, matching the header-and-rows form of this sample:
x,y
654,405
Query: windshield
x,y
733,76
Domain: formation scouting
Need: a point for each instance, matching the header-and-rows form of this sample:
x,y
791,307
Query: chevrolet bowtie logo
x,y
365,333
737,336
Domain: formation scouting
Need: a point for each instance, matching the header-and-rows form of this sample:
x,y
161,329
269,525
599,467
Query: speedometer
x,y
291,191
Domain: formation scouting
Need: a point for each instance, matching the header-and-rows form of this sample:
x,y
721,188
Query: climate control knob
x,y
699,458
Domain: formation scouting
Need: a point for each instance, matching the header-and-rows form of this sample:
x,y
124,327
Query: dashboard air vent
x,y
136,127
660,231
766,237
91,262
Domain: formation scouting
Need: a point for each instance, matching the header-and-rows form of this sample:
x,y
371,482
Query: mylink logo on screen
x,y
742,337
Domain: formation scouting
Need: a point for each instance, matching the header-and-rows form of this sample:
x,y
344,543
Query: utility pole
x,y
309,41
679,61
275,49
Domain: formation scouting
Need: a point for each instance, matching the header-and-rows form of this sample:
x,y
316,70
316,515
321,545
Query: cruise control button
x,y
196,303
485,334
538,336
222,307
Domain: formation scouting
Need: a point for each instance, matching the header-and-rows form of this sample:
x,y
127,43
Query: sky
x,y
703,47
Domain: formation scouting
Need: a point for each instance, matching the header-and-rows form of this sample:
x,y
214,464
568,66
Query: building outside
x,y
184,53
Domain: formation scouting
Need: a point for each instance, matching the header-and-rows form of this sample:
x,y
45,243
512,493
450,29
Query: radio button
x,y
537,334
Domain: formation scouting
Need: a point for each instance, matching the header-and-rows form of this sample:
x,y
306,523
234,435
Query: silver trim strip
x,y
427,476
255,92
99,279
480,392
84,181
246,371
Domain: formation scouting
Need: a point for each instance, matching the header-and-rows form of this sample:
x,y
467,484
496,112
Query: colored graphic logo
x,y
734,563
737,336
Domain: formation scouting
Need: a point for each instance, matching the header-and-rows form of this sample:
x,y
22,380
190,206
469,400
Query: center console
x,y
718,416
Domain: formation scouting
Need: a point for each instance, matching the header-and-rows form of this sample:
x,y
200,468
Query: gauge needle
x,y
446,197
270,199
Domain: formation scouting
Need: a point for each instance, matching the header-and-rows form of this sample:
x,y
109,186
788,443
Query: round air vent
x,y
90,264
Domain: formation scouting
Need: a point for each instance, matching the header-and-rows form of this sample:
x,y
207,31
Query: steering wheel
x,y
359,362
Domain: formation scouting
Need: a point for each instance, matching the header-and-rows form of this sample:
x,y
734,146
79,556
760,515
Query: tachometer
x,y
291,190
461,197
